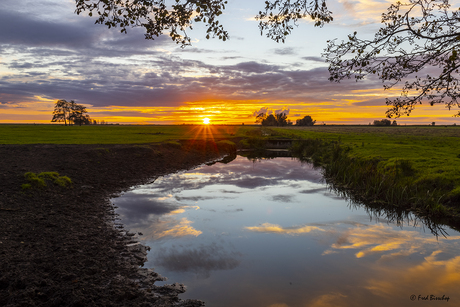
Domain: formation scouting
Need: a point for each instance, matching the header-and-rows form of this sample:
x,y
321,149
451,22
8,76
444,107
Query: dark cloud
x,y
235,210
136,209
230,192
253,67
314,59
21,29
201,50
69,35
284,51
313,191
231,57
201,260
283,198
193,198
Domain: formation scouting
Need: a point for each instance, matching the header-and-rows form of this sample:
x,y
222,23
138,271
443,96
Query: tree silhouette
x,y
62,111
69,111
418,44
79,116
177,16
279,119
383,122
306,121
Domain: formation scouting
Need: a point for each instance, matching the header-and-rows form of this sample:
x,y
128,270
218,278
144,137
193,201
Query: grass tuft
x,y
40,180
35,180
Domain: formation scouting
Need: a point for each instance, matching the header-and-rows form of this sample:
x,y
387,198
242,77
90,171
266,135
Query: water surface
x,y
271,233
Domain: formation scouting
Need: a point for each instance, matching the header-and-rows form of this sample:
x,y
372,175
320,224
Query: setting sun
x,y
206,121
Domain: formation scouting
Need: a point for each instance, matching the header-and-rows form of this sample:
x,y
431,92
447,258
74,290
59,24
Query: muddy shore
x,y
64,246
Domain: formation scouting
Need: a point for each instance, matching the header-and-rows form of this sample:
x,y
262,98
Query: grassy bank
x,y
113,134
416,168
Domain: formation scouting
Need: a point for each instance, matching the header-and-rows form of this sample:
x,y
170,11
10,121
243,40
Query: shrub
x,y
63,181
26,186
35,180
39,181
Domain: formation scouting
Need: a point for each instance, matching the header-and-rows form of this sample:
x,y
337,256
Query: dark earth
x,y
63,246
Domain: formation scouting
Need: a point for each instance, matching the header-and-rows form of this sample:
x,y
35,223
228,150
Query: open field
x,y
112,134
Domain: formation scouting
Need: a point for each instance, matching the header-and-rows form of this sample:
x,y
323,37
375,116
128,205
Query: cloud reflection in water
x,y
200,260
272,228
172,228
261,226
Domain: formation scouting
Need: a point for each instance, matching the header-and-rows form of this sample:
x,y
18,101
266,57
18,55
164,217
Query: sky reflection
x,y
271,233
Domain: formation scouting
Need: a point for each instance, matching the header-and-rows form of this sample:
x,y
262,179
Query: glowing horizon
x,y
237,115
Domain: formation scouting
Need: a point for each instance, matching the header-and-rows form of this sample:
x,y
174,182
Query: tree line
x,y
70,113
280,120
385,122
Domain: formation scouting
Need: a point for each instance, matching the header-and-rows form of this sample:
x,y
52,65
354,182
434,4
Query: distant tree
x,y
306,121
433,123
279,119
260,117
62,111
70,112
78,115
383,122
270,120
394,123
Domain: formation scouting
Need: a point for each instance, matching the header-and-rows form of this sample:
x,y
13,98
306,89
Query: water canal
x,y
270,233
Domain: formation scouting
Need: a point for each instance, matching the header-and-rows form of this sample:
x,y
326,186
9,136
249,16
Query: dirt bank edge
x,y
58,246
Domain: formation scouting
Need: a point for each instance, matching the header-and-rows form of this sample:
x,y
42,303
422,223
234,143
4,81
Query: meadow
x,y
112,134
415,167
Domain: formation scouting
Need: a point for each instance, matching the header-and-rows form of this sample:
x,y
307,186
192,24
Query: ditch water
x,y
270,233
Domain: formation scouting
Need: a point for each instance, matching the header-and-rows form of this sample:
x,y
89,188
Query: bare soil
x,y
64,246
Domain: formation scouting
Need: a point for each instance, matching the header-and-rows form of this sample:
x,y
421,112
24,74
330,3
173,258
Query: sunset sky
x,y
47,52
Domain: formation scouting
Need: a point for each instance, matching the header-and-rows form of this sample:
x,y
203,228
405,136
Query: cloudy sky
x,y
47,52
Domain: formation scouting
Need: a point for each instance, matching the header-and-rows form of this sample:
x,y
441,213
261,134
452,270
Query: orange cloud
x,y
273,228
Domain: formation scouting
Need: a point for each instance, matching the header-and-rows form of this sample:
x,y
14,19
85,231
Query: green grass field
x,y
433,150
111,134
431,153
